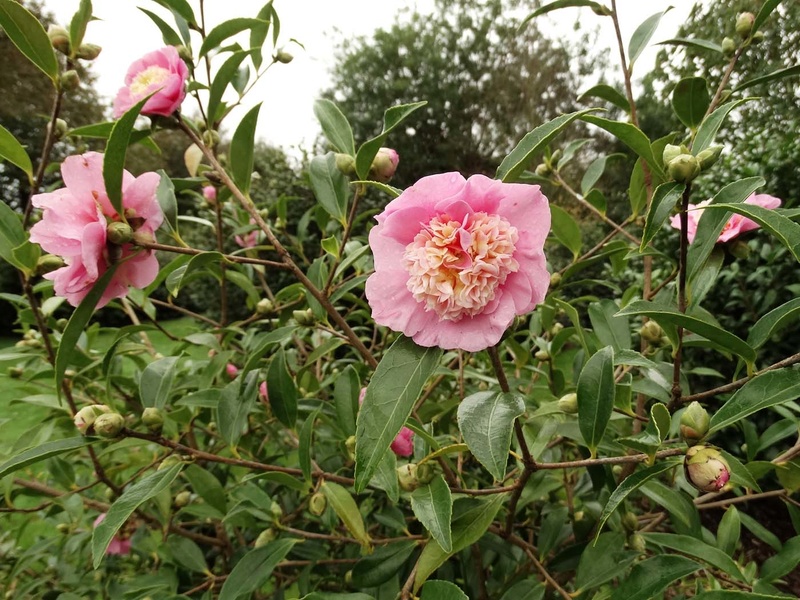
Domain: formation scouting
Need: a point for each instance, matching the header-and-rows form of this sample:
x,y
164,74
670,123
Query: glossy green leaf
x,y
561,4
155,384
565,229
282,390
226,29
433,507
187,554
789,475
761,532
223,78
77,26
664,199
783,228
604,560
385,477
729,530
764,12
652,576
637,191
345,396
241,150
693,547
335,126
631,136
165,193
235,405
611,329
710,126
596,397
773,321
346,509
740,474
666,316
380,566
693,43
258,33
642,35
262,344
254,569
570,150
28,35
534,143
390,397
207,486
733,595
12,235
472,518
595,170
44,451
774,76
304,444
12,151
575,318
181,275
442,590
765,390
528,589
690,100
330,186
650,440
119,512
392,191
392,117
609,94
706,279
168,35
486,420
628,485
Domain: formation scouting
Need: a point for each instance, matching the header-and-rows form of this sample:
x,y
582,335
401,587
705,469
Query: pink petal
x,y
140,196
403,444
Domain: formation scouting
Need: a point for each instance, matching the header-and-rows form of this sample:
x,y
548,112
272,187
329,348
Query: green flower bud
x,y
61,324
555,280
407,477
728,46
317,504
556,329
425,473
119,233
708,157
694,423
636,542
683,168
651,332
304,317
15,372
60,129
568,403
153,419
85,418
630,522
758,37
739,249
744,24
185,54
276,510
182,499
88,51
284,57
542,355
555,157
109,425
346,164
63,528
70,80
59,38
670,153
543,170
169,461
49,263
264,306
350,445
265,537
210,139
706,469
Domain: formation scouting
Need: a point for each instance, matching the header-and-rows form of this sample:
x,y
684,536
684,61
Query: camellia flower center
x,y
455,268
151,76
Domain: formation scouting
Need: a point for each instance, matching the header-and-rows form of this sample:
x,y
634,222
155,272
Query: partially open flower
x,y
706,469
162,72
384,165
735,226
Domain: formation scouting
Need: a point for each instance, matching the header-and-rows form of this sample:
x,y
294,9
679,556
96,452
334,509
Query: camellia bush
x,y
442,408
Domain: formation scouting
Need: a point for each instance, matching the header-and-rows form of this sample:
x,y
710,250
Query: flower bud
x,y
304,317
284,57
543,170
70,80
728,46
407,477
63,528
556,329
264,538
276,510
182,499
184,53
88,51
555,280
86,417
739,249
210,193
59,38
708,157
153,419
630,522
694,423
109,425
60,129
210,139
264,306
542,355
15,372
169,461
744,24
651,332
670,153
119,233
49,263
706,469
232,370
636,542
263,392
683,168
425,473
317,504
350,446
568,403
384,165
758,37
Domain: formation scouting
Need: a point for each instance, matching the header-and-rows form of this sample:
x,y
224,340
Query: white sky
x,y
288,91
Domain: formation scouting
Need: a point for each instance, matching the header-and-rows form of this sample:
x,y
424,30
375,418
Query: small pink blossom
x,y
403,444
161,71
456,260
262,390
735,226
232,370
210,193
385,164
250,239
118,545
74,224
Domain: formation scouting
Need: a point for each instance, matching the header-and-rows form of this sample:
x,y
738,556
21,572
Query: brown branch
x,y
194,251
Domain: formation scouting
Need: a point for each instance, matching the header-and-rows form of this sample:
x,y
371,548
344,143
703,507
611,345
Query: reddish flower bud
x,y
384,165
706,469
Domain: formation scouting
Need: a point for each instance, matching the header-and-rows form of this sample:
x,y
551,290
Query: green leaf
x,y
596,397
609,328
220,83
77,26
304,444
533,143
225,30
698,549
631,136
595,170
710,126
208,487
385,477
566,229
486,420
472,519
740,474
187,554
165,194
254,569
390,397
729,530
392,117
12,151
690,100
642,36
764,390
12,235
433,507
177,278
258,33
652,576
650,440
664,199
345,397
155,384
234,406
774,320
335,126
241,159
609,94
693,43
733,595
761,532
628,485
346,508
77,322
392,191
442,590
168,35
380,566
181,8
28,35
764,13
666,316
38,453
706,279
602,561
561,4
682,511
282,390
330,186
123,507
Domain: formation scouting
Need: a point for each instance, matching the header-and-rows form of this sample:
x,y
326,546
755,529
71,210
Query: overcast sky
x,y
288,91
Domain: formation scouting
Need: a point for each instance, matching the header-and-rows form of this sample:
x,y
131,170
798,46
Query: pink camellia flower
x,y
456,260
161,71
250,239
74,224
210,193
231,370
384,164
403,444
118,545
736,225
262,390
